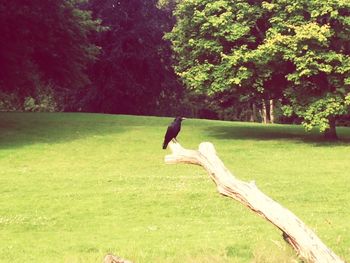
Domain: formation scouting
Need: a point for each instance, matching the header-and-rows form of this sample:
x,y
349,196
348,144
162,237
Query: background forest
x,y
268,61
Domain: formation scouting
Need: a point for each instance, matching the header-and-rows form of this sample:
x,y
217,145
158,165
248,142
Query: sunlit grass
x,y
74,187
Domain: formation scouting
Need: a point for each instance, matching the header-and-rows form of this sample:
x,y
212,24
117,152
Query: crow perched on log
x,y
172,131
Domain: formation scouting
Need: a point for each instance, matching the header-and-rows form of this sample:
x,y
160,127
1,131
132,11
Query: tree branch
x,y
304,241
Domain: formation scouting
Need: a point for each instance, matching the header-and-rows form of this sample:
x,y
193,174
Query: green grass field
x,y
74,187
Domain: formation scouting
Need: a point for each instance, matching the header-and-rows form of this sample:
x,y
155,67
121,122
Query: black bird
x,y
172,131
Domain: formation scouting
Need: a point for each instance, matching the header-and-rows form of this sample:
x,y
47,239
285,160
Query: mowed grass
x,y
74,187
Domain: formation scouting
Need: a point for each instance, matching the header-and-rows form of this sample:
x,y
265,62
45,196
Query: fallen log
x,y
303,240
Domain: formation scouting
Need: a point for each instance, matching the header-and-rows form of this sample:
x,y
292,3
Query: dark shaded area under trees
x,y
133,73
44,51
97,56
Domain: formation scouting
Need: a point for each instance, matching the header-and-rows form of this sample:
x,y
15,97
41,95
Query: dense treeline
x,y
44,49
133,73
101,56
237,60
97,56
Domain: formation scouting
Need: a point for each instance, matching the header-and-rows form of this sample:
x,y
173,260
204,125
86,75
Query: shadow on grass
x,y
20,129
277,132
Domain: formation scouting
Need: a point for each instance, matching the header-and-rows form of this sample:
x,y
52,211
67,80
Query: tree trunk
x,y
254,114
331,133
266,112
305,242
272,117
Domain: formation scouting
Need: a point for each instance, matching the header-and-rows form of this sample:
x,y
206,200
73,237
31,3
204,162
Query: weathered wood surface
x,y
305,242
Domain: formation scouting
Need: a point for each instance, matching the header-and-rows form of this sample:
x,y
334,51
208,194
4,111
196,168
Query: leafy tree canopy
x,y
133,71
44,43
315,37
296,51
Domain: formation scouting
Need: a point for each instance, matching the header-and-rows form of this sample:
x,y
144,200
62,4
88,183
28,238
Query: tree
x,y
302,239
214,43
133,73
315,37
44,44
296,52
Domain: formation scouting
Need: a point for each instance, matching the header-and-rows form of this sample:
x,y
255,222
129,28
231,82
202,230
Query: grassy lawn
x,y
74,187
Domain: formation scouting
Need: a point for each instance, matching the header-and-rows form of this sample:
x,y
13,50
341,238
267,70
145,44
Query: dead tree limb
x,y
304,241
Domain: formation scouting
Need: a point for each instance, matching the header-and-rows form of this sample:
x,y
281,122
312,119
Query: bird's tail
x,y
164,145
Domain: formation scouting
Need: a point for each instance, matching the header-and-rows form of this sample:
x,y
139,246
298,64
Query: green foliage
x,y
44,42
133,74
319,111
210,40
296,52
313,35
44,101
9,102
